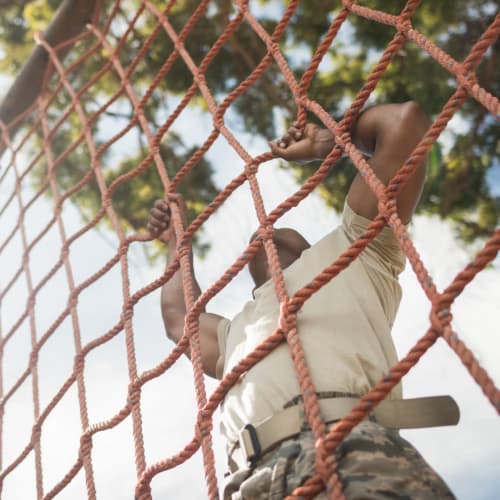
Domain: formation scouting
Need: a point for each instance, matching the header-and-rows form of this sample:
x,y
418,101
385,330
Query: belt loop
x,y
249,443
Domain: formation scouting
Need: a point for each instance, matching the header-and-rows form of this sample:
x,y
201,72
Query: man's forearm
x,y
389,132
324,143
377,127
173,304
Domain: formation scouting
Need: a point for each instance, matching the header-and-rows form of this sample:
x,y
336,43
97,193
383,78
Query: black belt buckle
x,y
249,443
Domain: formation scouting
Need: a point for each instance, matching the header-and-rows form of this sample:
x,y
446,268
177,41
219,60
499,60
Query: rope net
x,y
109,34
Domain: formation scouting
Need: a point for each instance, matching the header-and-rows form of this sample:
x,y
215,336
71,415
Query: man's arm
x,y
387,133
173,305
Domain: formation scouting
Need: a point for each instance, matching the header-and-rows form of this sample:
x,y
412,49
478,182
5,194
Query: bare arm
x,y
387,133
173,305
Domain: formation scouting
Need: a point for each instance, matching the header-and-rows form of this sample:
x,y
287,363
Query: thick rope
x,y
99,38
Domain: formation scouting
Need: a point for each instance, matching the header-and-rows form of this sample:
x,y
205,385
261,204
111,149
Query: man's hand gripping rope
x,y
303,145
160,218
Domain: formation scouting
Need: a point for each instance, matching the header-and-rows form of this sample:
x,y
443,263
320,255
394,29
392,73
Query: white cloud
x,y
462,454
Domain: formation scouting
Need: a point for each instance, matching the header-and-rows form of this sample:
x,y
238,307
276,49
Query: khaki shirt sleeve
x,y
222,334
384,251
383,260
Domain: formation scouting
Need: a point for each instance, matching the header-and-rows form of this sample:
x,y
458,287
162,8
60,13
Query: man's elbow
x,y
173,333
414,118
173,312
389,125
174,322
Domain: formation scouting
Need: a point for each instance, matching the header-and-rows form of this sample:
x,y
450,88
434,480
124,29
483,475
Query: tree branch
x,y
266,83
10,3
69,21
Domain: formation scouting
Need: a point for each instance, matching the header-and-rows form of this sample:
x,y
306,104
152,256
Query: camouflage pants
x,y
373,463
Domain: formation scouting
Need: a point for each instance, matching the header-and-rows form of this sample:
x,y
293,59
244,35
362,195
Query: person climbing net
x,y
344,329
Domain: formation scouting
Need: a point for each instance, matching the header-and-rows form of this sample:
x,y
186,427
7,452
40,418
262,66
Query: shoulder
x,y
383,251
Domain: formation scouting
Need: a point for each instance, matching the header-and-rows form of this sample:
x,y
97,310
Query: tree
x,y
460,168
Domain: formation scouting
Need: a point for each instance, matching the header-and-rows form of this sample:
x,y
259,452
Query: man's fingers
x,y
296,133
158,224
162,205
284,141
293,134
159,219
276,149
297,144
160,214
281,152
153,228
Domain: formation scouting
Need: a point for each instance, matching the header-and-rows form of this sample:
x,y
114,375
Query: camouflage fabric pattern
x,y
373,463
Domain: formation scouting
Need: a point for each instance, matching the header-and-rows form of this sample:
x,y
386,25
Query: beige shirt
x,y
344,328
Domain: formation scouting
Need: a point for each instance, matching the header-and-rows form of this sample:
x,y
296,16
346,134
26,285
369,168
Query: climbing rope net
x,y
43,124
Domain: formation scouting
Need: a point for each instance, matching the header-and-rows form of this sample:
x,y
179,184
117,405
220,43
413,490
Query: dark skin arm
x,y
387,133
173,305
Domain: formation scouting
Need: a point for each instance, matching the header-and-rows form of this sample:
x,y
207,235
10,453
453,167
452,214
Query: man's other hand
x,y
159,219
160,216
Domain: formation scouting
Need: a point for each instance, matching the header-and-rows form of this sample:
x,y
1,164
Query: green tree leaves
x,y
458,168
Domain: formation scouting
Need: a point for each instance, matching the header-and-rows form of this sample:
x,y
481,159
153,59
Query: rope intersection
x,y
44,125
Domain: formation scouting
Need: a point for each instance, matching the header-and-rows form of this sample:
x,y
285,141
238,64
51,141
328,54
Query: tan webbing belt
x,y
393,414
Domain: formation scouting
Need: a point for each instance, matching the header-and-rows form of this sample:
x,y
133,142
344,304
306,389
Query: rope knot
x,y
440,317
85,443
65,251
266,232
73,297
78,362
347,3
127,312
344,135
242,5
288,316
404,24
204,425
143,489
35,432
251,168
387,205
33,358
200,79
218,121
134,392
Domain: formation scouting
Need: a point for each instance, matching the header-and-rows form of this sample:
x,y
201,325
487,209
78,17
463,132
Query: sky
x,y
465,455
